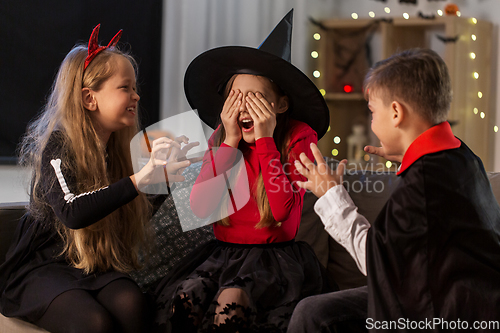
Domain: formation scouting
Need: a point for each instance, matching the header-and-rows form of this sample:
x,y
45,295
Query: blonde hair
x,y
281,137
113,242
416,76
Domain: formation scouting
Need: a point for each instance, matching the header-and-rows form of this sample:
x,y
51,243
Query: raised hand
x,y
229,116
154,171
320,177
262,113
177,154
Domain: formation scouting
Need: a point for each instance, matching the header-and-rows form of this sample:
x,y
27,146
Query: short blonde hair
x,y
418,77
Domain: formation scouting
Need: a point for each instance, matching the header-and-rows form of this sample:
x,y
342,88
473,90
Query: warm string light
x,y
355,16
315,55
475,75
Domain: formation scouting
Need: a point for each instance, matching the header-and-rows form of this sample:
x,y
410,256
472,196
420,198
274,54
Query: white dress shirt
x,y
342,221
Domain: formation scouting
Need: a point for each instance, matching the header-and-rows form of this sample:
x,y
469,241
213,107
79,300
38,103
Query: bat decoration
x,y
426,17
448,39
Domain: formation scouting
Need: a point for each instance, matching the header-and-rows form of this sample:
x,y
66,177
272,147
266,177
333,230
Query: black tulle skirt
x,y
273,278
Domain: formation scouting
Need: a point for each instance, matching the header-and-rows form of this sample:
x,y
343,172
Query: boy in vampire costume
x,y
432,256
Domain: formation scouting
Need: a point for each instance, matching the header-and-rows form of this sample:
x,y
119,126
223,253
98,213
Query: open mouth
x,y
246,124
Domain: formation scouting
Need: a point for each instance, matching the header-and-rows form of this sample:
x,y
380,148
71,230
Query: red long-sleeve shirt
x,y
285,197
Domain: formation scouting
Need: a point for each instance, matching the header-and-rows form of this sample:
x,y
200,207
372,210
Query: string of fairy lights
x,y
472,55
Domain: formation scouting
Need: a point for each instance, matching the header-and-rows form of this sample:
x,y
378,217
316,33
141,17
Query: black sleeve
x,y
79,210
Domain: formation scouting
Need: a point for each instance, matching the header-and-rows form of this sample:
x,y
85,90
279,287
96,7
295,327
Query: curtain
x,y
191,27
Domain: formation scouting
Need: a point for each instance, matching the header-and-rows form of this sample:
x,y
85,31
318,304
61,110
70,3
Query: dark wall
x,y
35,36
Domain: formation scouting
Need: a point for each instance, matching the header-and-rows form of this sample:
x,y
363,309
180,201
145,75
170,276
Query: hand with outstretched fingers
x,y
159,162
320,177
178,154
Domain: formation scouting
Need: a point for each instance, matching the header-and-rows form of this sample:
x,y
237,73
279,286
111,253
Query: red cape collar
x,y
435,139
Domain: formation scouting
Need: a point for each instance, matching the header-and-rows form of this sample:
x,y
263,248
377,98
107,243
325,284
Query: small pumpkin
x,y
451,9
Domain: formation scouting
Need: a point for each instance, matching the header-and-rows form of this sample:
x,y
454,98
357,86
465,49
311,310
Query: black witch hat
x,y
207,75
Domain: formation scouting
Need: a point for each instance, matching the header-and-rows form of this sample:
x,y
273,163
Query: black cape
x,y
433,253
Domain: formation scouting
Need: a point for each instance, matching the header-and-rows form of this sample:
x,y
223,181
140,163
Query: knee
x,y
131,302
233,295
96,322
302,312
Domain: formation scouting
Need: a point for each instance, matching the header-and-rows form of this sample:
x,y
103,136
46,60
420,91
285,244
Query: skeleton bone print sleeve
x,y
79,210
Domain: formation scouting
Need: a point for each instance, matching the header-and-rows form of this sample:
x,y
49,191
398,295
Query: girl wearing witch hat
x,y
252,277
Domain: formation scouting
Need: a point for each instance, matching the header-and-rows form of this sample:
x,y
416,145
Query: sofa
x,y
368,187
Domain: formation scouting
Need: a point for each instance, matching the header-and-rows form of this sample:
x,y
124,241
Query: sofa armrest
x,y
10,213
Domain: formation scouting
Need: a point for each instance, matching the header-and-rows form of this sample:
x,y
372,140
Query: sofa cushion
x,y
169,243
14,325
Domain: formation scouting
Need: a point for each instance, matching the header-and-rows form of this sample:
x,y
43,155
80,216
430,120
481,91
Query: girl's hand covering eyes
x,y
262,113
229,116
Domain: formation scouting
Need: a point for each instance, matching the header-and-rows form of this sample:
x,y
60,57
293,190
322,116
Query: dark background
x,y
35,36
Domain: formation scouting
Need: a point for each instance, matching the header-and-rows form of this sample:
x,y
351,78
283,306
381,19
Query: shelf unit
x,y
472,116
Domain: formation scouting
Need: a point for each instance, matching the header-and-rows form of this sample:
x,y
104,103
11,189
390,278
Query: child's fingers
x,y
235,110
255,117
182,139
301,169
173,167
259,102
317,154
231,100
160,146
252,108
161,140
189,146
341,168
304,185
307,162
379,151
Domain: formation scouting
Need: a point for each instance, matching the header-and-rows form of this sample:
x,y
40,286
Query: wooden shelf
x,y
397,34
344,96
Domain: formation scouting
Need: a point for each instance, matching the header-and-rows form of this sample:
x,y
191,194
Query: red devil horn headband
x,y
94,47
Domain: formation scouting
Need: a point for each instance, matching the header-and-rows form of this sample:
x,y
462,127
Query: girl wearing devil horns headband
x,y
67,270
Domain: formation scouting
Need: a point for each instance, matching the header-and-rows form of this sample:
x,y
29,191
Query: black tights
x,y
118,307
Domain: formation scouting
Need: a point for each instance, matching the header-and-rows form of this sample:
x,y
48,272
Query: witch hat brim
x,y
208,74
